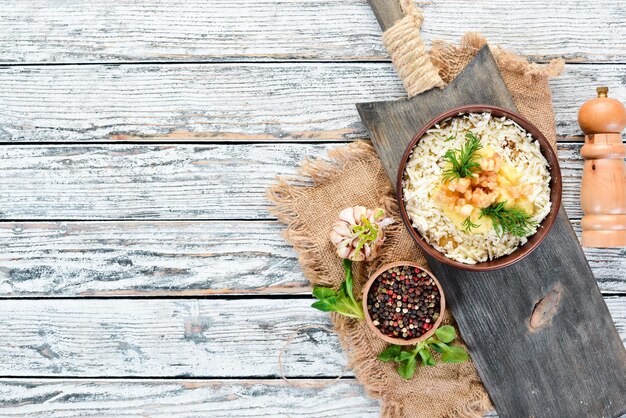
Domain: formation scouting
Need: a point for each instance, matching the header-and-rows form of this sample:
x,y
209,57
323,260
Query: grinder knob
x,y
603,191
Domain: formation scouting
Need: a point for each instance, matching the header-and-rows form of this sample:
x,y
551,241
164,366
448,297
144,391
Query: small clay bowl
x,y
544,226
402,341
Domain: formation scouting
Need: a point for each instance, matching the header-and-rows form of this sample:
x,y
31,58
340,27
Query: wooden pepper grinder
x,y
603,192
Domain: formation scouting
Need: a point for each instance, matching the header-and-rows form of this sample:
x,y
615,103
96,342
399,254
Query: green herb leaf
x,y
324,292
463,162
509,220
446,333
405,355
407,358
343,301
437,346
406,369
326,305
390,353
347,267
345,307
427,359
468,225
454,354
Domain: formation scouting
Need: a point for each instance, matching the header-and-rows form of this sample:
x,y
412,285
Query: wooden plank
x,y
538,316
164,338
143,182
179,182
174,338
148,258
42,398
93,31
35,398
58,259
228,102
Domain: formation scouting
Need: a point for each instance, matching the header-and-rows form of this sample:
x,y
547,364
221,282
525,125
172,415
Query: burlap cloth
x,y
353,175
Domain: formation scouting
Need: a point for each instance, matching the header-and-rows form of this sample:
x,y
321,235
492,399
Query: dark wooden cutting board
x,y
539,332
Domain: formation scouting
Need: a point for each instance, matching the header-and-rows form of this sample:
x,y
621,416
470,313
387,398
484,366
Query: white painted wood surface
x,y
182,398
157,258
177,182
176,338
160,338
151,258
169,30
195,287
252,102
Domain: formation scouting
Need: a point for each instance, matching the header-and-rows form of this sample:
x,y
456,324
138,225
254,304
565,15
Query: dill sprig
x,y
512,220
468,225
463,162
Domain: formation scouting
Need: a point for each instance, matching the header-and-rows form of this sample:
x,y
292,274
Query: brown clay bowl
x,y
555,190
402,341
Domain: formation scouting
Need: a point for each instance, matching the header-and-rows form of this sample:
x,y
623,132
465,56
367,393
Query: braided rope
x,y
408,53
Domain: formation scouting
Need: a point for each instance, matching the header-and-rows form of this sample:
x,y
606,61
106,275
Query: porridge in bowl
x,y
476,187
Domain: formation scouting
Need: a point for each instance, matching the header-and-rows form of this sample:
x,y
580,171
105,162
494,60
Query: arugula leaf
x,y
324,292
435,346
326,305
427,359
406,369
407,357
390,353
345,307
347,266
454,354
446,333
341,301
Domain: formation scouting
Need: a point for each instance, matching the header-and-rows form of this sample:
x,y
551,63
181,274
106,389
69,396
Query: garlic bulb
x,y
359,233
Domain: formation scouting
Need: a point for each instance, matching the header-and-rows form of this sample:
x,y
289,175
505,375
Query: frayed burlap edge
x,y
354,337
283,195
448,57
285,192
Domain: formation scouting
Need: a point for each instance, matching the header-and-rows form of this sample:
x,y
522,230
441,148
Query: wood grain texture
x,y
143,182
59,259
175,338
148,258
387,12
178,182
42,398
165,338
227,102
168,30
538,316
35,398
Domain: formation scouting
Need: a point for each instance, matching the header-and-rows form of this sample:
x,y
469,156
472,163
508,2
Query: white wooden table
x,y
140,271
